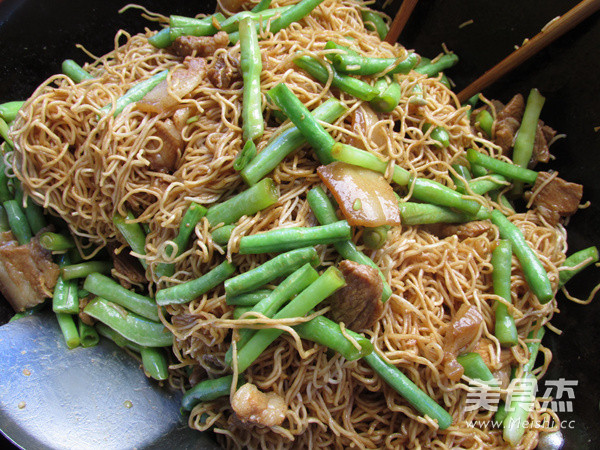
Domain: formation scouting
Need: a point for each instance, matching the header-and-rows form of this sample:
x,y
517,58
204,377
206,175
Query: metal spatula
x,y
92,398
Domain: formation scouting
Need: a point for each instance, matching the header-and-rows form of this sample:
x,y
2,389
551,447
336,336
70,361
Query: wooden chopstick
x,y
551,32
400,20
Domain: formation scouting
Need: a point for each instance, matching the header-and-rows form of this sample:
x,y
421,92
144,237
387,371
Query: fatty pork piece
x,y
557,199
358,304
27,273
252,406
166,95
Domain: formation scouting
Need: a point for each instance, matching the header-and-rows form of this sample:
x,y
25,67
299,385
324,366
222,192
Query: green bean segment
x,y
475,368
248,298
366,66
287,141
276,267
9,110
133,233
485,121
109,289
256,198
326,332
523,148
132,326
433,68
534,272
135,93
582,258
505,328
423,213
324,72
188,291
75,72
374,22
312,130
208,390
508,170
192,216
82,270
330,281
251,65
294,14
268,306
69,330
88,335
388,97
523,397
222,234
284,239
155,363
408,390
17,219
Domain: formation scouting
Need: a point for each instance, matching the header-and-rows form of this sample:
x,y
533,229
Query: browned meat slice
x,y
255,407
127,266
27,273
508,121
163,156
465,230
513,109
231,6
557,199
358,304
541,146
221,73
461,332
548,132
200,45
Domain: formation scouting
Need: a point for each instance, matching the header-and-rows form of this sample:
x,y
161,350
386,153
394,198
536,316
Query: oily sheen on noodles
x,y
85,167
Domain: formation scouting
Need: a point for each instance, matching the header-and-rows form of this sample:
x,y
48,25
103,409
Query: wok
x,y
36,36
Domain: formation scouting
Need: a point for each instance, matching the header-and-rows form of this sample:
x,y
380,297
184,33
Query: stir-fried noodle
x,y
85,167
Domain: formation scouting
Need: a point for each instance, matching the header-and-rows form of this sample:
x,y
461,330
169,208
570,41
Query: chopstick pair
x,y
549,33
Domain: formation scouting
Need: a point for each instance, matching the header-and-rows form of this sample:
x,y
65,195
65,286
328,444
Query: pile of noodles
x,y
85,167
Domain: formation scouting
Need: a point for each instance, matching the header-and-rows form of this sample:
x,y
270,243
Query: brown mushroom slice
x,y
364,196
183,81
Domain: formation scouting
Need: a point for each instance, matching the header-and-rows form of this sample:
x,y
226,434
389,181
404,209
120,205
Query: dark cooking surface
x,y
35,36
